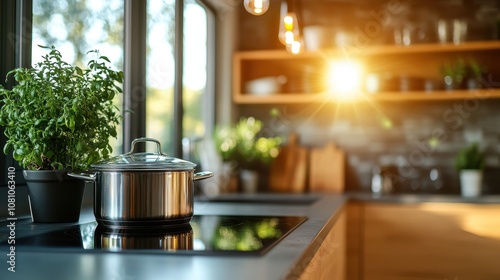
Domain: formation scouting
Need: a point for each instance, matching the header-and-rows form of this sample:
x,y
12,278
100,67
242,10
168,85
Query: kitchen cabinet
x,y
424,241
305,74
329,260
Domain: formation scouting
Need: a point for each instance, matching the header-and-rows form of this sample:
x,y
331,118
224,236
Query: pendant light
x,y
295,47
289,31
256,7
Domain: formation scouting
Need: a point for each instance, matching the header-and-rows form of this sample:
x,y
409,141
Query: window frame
x,y
15,51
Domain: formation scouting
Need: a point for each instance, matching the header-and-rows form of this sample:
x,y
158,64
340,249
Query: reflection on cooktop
x,y
206,234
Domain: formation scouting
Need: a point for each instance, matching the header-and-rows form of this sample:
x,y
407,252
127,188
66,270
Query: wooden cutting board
x,y
327,169
289,170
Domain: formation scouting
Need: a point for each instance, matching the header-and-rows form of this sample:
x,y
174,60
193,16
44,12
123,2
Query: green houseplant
x,y
59,118
454,74
475,75
462,74
470,163
244,144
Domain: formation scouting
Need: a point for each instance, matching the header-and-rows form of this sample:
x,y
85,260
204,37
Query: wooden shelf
x,y
292,98
419,60
373,50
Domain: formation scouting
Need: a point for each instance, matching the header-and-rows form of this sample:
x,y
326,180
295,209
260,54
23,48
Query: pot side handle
x,y
84,176
202,175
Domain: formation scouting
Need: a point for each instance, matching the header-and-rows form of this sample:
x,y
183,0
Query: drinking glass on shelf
x,y
403,35
454,30
459,31
443,31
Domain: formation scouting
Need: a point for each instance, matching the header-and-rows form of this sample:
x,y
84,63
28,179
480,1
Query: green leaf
x,y
49,154
18,154
17,157
79,71
7,148
105,58
78,146
469,158
57,165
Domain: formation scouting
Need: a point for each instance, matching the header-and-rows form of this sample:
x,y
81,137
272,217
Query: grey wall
x,y
413,137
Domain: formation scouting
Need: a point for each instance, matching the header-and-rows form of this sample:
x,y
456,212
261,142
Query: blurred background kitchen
x,y
410,72
395,88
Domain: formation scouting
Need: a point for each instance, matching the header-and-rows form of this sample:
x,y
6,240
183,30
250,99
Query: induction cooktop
x,y
206,234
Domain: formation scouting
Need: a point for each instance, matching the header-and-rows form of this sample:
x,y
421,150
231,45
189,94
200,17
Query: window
x,y
160,70
195,69
77,26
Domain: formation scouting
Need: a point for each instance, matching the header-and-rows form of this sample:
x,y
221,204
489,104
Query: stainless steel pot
x,y
143,189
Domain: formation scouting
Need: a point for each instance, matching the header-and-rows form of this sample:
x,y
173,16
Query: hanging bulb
x,y
289,31
295,47
256,7
289,22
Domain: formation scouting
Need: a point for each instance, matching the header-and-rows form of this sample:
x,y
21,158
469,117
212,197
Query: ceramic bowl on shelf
x,y
265,85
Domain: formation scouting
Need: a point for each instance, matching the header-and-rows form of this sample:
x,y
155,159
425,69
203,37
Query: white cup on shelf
x,y
316,37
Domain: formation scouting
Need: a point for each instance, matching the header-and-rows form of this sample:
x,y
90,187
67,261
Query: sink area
x,y
261,198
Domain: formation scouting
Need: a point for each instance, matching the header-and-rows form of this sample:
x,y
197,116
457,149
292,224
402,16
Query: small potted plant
x,y
475,74
59,118
470,164
462,74
454,74
243,144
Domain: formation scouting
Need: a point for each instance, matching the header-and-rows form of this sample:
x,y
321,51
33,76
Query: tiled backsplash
x,y
410,137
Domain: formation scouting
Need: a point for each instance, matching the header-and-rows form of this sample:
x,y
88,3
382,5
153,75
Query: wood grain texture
x,y
327,169
329,262
354,237
289,170
431,241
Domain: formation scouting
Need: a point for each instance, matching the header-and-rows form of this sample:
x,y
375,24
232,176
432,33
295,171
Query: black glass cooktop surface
x,y
206,234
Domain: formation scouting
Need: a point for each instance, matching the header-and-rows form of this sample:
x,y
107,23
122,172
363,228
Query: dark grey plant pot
x,y
54,196
473,83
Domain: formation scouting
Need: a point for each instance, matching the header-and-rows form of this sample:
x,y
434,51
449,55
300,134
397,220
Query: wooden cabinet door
x,y
431,241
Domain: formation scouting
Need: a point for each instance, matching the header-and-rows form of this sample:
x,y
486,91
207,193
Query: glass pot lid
x,y
145,161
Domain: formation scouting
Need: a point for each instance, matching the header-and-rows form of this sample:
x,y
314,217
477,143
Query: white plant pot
x,y
471,182
249,181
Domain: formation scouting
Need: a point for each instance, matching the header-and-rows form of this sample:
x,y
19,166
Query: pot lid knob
x,y
145,139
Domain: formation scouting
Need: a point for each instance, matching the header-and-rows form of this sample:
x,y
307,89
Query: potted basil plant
x,y
470,164
59,118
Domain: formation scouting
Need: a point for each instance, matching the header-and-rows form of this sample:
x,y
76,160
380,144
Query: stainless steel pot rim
x,y
92,177
139,169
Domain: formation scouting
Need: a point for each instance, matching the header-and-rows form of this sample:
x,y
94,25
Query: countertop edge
x,y
307,256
